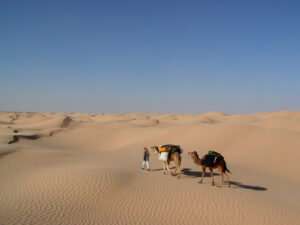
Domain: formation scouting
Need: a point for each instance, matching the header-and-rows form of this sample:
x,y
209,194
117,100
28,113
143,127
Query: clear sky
x,y
149,56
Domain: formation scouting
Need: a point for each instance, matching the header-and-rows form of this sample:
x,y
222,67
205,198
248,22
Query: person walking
x,y
146,155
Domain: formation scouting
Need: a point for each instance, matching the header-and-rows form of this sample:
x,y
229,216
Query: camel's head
x,y
146,150
155,149
194,155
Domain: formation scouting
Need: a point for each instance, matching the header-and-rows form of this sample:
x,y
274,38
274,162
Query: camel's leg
x,y
167,164
179,168
203,173
212,176
176,167
227,176
175,171
179,171
164,166
222,175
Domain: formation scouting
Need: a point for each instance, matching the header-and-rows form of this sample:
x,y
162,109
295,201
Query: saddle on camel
x,y
212,160
169,149
169,153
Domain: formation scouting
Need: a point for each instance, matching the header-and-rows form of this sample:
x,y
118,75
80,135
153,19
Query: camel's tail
x,y
225,168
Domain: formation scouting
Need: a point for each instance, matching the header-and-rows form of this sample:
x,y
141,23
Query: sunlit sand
x,y
86,169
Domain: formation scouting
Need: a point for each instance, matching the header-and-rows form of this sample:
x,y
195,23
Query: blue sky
x,y
149,56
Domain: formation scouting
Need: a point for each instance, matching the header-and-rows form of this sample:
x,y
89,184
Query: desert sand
x,y
86,169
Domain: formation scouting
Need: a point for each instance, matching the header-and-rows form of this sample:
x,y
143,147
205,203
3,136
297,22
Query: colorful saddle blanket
x,y
171,148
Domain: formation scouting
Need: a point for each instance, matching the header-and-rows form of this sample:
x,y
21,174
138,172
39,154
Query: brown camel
x,y
175,156
219,163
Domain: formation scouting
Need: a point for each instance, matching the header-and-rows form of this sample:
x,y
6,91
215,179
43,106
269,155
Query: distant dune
x,y
59,168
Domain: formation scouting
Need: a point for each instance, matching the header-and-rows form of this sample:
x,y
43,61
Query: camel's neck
x,y
158,153
198,161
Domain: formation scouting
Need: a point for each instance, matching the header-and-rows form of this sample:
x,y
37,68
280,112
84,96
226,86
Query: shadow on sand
x,y
6,153
235,184
189,172
255,188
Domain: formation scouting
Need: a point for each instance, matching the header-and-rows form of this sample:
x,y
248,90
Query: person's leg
x,y
143,164
147,163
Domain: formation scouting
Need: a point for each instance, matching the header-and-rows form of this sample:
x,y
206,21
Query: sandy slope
x,y
85,169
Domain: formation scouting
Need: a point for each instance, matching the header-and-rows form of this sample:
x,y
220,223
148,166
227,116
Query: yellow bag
x,y
163,149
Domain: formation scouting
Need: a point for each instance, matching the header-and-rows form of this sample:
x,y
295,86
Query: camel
x,y
175,156
219,163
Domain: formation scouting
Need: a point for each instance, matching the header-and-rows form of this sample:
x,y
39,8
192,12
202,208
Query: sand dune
x,y
85,169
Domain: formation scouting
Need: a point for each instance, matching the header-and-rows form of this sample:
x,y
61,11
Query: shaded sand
x,y
85,169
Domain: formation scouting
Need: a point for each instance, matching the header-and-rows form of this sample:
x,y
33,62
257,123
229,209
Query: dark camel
x,y
220,164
